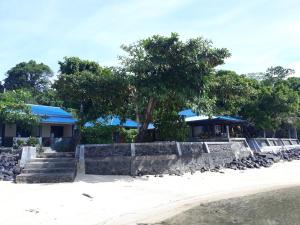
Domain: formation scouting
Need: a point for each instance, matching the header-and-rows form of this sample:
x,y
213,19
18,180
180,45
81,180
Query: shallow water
x,y
280,207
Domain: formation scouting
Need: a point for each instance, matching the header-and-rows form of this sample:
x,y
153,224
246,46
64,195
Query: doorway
x,y
57,131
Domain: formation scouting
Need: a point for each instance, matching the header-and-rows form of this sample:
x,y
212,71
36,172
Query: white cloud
x,y
296,67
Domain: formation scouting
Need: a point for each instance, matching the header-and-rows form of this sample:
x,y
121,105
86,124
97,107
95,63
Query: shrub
x,y
129,135
32,142
101,134
98,134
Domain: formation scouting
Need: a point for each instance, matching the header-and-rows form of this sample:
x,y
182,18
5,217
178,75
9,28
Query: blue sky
x,y
258,33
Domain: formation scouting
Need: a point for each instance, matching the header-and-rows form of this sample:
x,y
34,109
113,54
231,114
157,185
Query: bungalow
x,y
213,128
55,123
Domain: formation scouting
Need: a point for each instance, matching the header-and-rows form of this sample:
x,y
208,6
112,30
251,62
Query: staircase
x,y
52,167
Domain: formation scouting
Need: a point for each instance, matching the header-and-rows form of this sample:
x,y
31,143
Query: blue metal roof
x,y
230,118
187,113
51,114
116,121
214,120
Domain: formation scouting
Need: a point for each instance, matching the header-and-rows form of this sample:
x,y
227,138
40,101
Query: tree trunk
x,y
144,123
274,134
77,135
289,133
295,133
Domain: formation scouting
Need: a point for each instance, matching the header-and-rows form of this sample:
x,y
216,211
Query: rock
x,y
9,167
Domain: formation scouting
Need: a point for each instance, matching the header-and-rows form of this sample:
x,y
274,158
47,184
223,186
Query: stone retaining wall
x,y
156,158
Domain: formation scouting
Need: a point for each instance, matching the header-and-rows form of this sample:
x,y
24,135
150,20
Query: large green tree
x,y
277,73
13,108
273,106
159,67
28,75
231,92
90,90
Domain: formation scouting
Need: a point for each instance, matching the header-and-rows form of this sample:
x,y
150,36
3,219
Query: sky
x,y
258,33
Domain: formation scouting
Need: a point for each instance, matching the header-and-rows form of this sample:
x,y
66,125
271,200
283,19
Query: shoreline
x,y
123,200
274,206
171,211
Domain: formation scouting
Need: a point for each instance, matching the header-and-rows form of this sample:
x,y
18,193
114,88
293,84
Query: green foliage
x,y
32,141
48,97
98,134
273,106
231,92
14,110
172,128
277,73
128,135
19,144
29,75
73,65
162,67
168,124
103,134
92,91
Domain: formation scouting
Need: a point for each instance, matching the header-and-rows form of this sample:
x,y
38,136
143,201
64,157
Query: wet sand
x,y
278,207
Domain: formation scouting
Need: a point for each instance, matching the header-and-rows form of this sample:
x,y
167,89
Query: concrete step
x,y
49,170
52,160
49,167
45,177
40,165
56,155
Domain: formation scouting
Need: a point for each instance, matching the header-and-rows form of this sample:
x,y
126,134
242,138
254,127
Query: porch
x,y
47,134
221,128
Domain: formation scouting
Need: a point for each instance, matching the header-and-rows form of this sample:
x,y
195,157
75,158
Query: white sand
x,y
120,200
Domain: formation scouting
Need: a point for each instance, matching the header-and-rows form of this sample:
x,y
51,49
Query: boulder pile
x,y
260,159
9,167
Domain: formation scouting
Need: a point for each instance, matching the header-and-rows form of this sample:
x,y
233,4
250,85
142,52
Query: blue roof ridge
x,y
46,106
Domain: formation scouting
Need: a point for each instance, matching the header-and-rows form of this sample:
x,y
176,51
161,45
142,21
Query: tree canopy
x,y
91,90
231,92
273,106
160,68
13,108
277,73
28,75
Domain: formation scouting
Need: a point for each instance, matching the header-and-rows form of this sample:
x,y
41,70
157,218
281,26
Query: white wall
x,y
46,130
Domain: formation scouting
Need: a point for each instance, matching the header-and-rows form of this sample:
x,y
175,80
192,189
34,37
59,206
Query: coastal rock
x,y
9,167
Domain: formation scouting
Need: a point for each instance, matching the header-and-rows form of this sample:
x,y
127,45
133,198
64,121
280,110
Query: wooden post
x,y
227,131
295,133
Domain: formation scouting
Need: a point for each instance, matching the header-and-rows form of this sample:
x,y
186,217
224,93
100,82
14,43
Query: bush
x,y
19,144
32,142
101,134
128,135
98,134
172,130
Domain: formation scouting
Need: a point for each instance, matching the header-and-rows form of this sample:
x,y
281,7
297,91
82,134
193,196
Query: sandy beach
x,y
122,200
